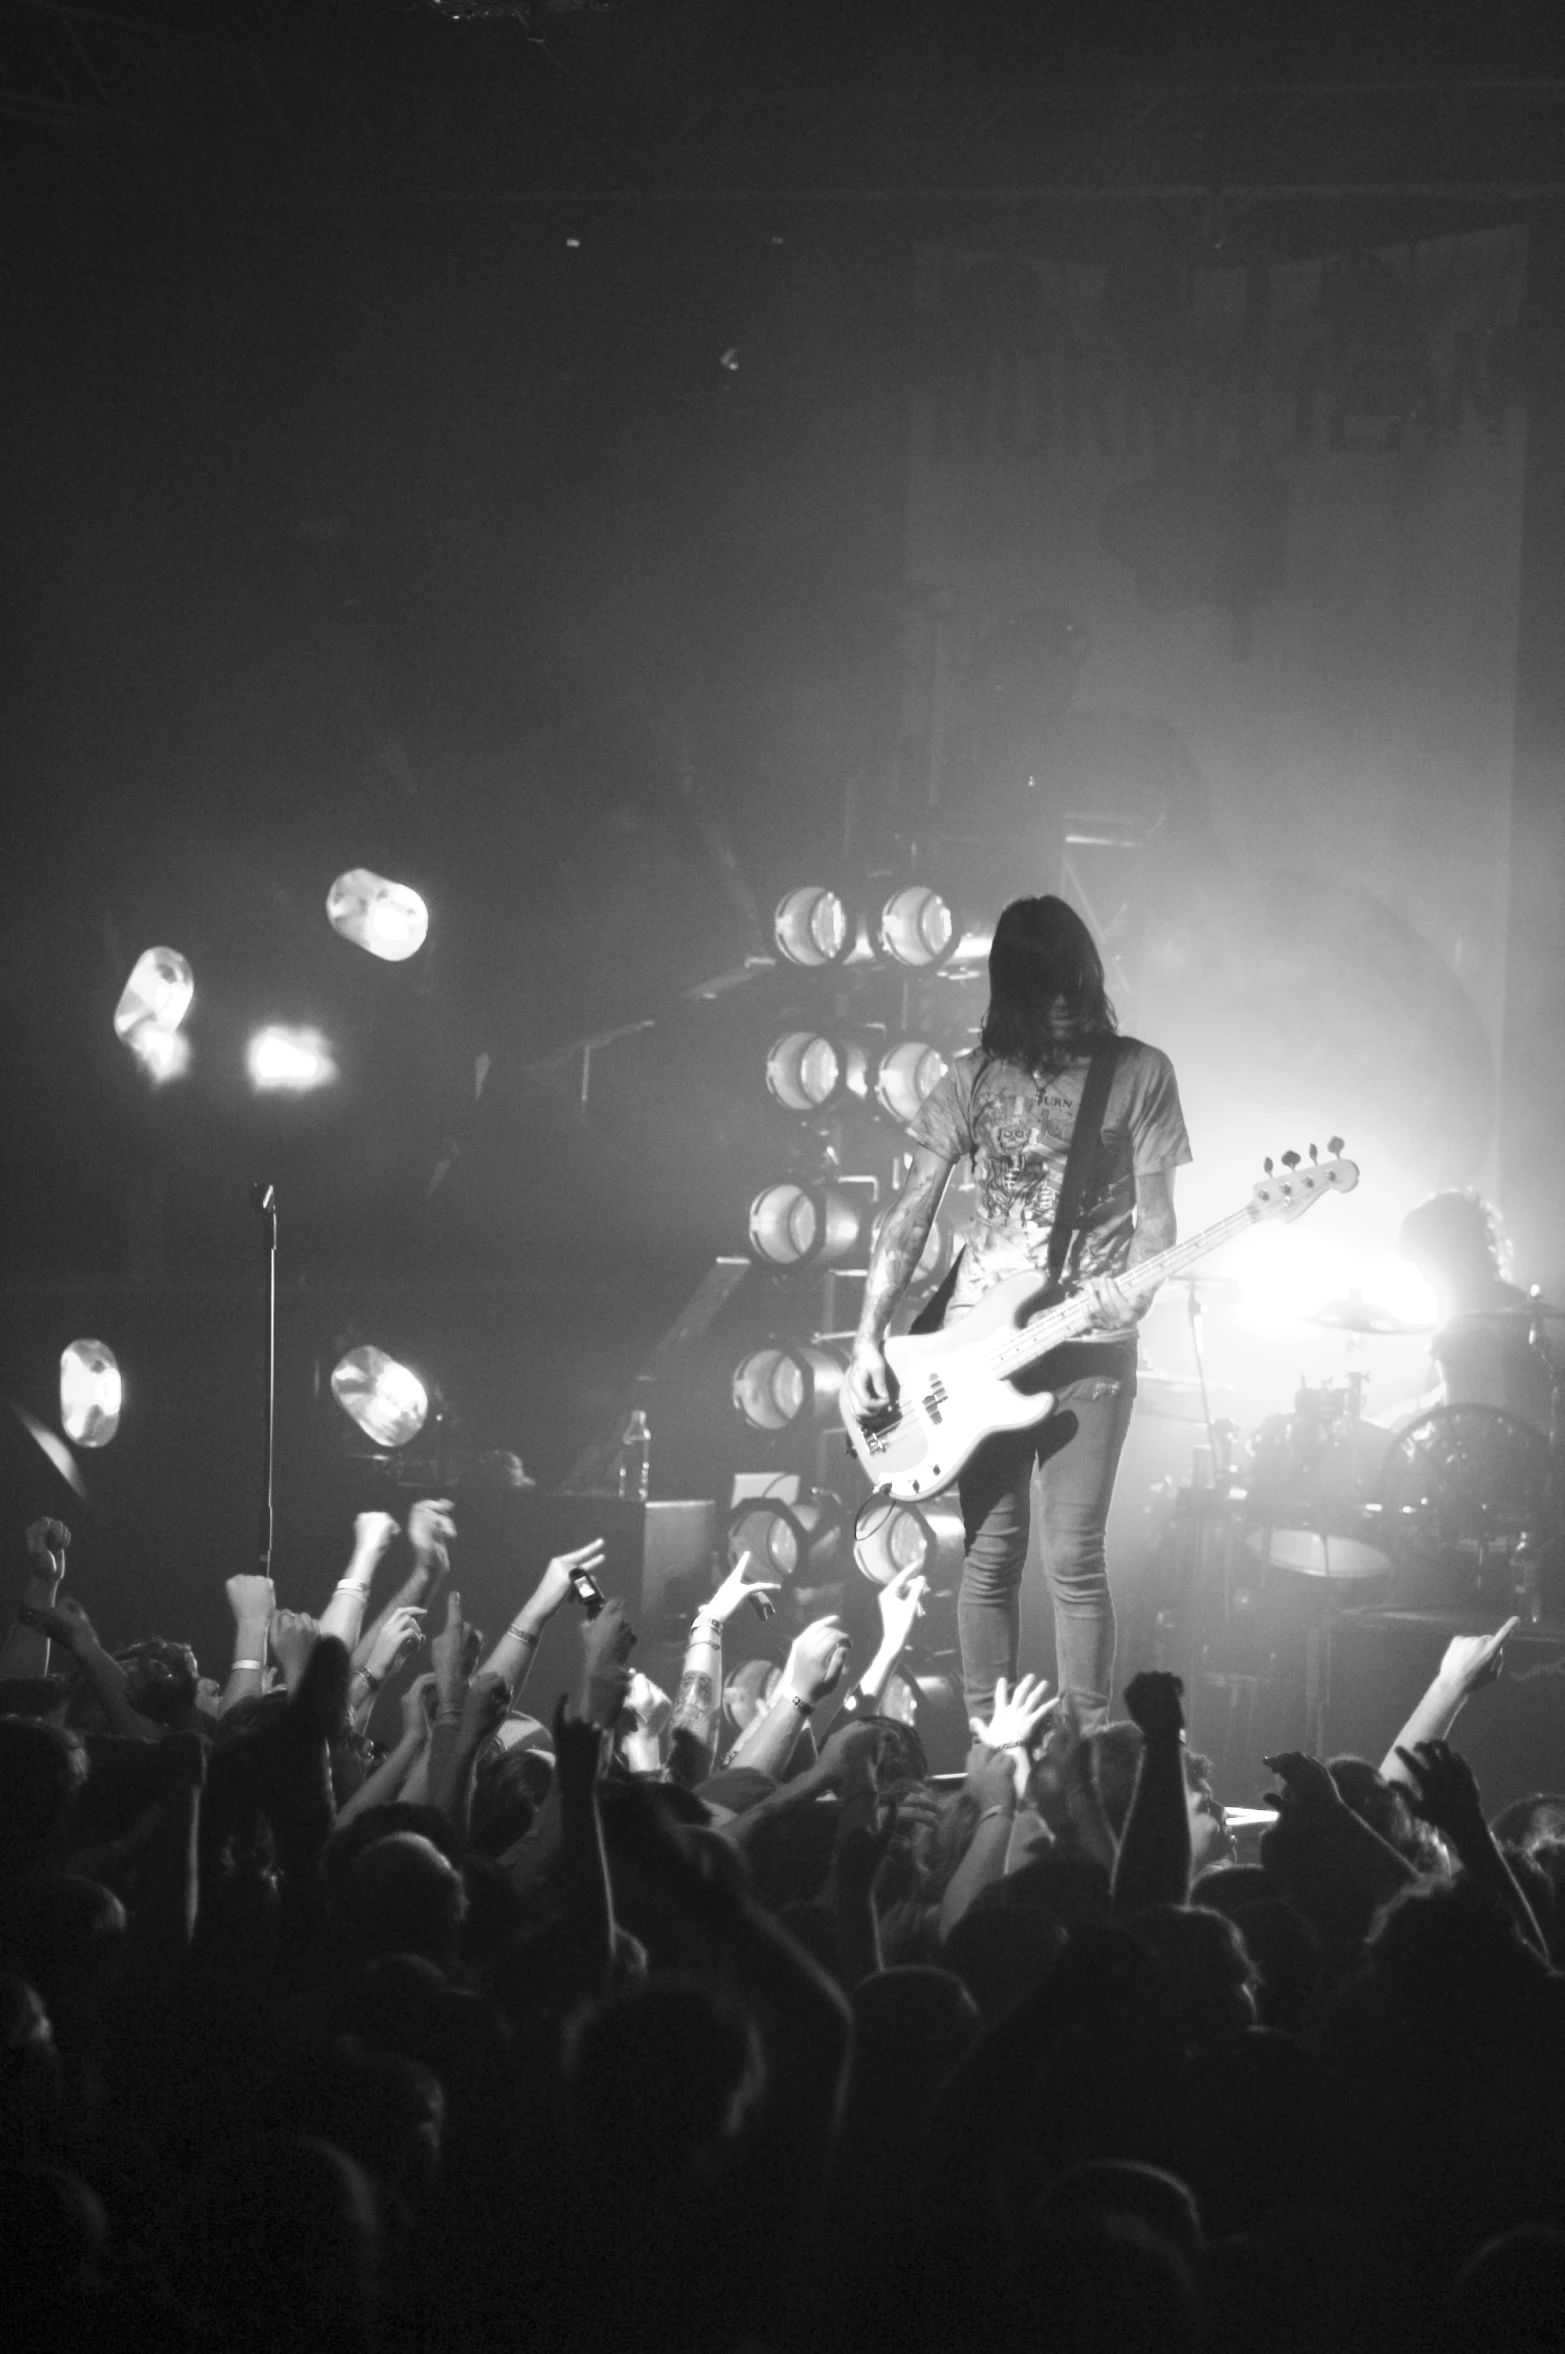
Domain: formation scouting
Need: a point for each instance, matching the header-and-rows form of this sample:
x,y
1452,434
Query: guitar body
x,y
946,1398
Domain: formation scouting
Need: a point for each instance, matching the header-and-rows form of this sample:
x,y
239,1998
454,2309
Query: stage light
x,y
778,1388
386,918
159,990
905,1075
889,1537
811,926
797,1540
804,1226
387,1400
153,1003
918,927
162,1054
91,1393
803,1071
289,1062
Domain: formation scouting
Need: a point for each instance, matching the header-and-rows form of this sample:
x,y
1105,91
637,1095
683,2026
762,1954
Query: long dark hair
x,y
1042,950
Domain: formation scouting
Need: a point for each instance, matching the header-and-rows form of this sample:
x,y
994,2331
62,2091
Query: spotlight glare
x,y
159,990
811,926
289,1062
387,1400
162,1054
917,926
91,1393
388,919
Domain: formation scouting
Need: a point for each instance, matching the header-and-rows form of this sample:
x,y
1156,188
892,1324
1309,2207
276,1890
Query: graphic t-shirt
x,y
1015,1128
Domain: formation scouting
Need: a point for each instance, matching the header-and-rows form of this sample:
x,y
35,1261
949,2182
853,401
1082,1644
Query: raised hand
x,y
646,1704
488,1697
1307,1790
415,1705
1445,1790
847,1744
554,1587
901,1604
1471,1661
251,1598
1015,1716
606,1644
1154,1701
372,1533
399,1635
431,1533
294,1635
817,1659
48,1542
447,1654
740,1586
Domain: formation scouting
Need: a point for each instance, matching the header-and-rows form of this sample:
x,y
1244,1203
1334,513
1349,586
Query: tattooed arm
x,y
692,1729
1120,1300
898,1249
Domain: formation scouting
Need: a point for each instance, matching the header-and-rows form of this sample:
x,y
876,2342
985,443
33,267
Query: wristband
x,y
706,1630
524,1635
374,1682
246,1663
804,1707
1009,1813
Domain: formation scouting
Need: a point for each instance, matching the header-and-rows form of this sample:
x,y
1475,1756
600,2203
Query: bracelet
x,y
524,1635
804,1707
706,1630
1009,1813
373,1682
240,1664
349,1586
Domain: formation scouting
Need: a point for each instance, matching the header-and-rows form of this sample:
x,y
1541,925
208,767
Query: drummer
x,y
1482,1351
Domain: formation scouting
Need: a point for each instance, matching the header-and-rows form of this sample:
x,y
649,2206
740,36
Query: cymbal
x,y
1356,1314
1522,1314
1175,1397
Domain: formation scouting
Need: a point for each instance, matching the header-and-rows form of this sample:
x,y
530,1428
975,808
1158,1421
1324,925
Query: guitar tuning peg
x,y
1314,1155
1334,1144
1267,1164
1290,1160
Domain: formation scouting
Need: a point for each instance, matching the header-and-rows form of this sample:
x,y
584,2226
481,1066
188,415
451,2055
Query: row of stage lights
x,y
386,919
774,1389
914,925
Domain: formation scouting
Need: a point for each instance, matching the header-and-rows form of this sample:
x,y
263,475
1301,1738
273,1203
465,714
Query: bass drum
x,y
1467,1475
1312,1486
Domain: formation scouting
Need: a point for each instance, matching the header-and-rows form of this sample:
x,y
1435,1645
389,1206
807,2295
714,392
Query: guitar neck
x,y
1074,1316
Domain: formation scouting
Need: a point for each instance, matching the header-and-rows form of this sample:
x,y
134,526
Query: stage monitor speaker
x,y
1512,1733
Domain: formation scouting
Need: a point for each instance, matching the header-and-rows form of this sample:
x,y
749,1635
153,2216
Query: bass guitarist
x,y
1074,1134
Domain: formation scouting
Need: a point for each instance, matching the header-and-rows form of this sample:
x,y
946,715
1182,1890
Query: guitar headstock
x,y
1288,1190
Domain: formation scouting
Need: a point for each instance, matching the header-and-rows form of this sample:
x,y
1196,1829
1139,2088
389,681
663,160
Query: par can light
x,y
91,1393
804,1226
905,1075
918,927
388,919
799,1540
811,926
786,1388
387,1400
889,1537
159,990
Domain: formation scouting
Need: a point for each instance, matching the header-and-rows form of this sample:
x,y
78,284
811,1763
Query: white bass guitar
x,y
952,1389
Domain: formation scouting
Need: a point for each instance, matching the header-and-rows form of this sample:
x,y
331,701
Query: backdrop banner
x,y
1220,565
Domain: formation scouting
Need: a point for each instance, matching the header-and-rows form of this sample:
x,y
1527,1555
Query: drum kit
x,y
1454,1507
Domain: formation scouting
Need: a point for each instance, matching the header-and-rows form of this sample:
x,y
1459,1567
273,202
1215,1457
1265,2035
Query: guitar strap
x,y
1078,1162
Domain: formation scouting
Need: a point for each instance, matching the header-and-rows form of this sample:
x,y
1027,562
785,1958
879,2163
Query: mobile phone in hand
x,y
587,1591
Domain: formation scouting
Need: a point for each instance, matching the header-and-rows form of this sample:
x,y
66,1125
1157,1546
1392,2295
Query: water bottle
x,y
634,1465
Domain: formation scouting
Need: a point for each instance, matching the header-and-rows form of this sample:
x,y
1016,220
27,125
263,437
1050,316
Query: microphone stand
x,y
264,1200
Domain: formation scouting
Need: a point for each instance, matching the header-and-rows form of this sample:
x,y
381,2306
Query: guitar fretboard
x,y
1070,1317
